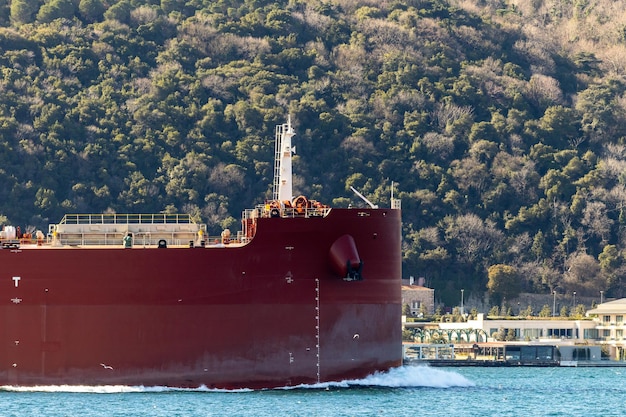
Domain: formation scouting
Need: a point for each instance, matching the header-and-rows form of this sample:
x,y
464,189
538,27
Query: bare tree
x,y
544,90
446,114
582,274
474,238
524,180
596,220
470,174
438,145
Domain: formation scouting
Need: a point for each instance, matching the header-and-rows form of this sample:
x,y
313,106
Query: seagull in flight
x,y
106,366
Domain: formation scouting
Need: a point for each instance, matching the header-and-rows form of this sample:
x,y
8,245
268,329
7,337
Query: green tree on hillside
x,y
503,282
56,9
23,11
91,10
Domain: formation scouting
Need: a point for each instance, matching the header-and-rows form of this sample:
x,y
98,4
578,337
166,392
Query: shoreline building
x,y
537,330
418,297
610,326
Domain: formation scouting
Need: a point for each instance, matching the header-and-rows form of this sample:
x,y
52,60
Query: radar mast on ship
x,y
282,165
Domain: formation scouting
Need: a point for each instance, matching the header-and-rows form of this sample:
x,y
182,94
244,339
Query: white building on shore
x,y
609,320
536,330
603,325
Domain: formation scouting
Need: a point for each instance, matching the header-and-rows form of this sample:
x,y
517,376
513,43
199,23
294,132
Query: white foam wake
x,y
402,377
110,389
418,376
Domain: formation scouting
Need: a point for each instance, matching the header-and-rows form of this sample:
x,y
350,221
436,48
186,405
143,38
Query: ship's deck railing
x,y
112,223
262,210
114,218
110,229
116,239
139,240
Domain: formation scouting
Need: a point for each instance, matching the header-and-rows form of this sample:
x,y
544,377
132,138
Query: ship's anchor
x,y
353,274
345,260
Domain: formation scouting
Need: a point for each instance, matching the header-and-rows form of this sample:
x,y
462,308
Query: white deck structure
x,y
110,229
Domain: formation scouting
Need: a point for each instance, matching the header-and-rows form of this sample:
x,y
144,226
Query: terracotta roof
x,y
415,288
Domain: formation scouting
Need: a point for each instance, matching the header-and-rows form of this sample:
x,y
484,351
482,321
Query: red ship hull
x,y
265,314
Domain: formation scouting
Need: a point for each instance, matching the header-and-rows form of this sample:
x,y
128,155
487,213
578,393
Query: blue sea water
x,y
408,391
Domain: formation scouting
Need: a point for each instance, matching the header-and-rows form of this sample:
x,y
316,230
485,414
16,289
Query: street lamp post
x,y
462,310
574,299
554,304
601,297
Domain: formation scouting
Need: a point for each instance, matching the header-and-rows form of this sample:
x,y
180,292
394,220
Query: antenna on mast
x,y
396,203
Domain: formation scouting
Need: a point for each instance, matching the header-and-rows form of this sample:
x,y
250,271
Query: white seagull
x,y
106,366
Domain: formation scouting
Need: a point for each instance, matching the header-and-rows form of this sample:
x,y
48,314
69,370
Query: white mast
x,y
282,165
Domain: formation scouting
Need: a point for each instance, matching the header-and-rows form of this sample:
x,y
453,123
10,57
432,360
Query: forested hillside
x,y
501,122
